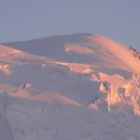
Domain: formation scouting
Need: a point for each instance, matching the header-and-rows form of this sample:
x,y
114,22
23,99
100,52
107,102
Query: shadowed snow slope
x,y
71,87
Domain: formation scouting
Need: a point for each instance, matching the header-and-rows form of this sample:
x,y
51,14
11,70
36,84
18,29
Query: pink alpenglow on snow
x,y
72,87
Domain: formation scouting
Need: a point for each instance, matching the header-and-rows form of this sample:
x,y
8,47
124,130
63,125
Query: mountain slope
x,y
84,82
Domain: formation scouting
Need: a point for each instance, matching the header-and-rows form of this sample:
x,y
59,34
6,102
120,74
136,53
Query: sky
x,y
27,19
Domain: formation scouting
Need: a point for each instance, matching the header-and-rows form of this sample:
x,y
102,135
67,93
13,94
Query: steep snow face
x,y
122,52
82,82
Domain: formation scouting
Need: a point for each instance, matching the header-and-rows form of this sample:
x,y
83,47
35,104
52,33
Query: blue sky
x,y
27,19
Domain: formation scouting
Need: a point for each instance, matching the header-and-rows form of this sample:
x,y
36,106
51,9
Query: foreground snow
x,y
76,87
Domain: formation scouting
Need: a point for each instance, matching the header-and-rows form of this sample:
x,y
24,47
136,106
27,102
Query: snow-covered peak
x,y
95,58
84,73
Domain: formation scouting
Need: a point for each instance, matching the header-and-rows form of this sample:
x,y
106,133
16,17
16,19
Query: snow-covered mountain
x,y
71,87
